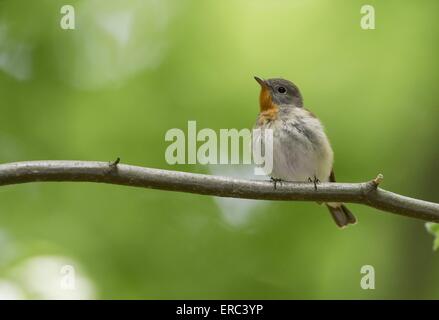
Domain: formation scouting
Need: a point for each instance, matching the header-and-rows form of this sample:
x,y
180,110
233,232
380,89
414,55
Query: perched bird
x,y
301,149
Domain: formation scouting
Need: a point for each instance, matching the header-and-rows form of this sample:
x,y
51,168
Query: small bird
x,y
301,149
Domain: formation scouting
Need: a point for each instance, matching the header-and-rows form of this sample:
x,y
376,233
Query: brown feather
x,y
269,110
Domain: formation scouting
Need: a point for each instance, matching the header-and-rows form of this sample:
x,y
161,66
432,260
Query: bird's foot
x,y
315,181
275,181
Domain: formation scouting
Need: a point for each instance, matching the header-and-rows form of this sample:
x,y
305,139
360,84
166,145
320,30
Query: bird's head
x,y
277,91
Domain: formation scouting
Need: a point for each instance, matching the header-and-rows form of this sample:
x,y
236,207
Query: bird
x,y
301,149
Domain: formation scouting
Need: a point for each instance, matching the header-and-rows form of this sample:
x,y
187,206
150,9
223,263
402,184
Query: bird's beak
x,y
261,82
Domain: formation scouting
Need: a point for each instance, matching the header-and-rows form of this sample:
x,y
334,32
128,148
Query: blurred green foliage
x,y
433,228
134,69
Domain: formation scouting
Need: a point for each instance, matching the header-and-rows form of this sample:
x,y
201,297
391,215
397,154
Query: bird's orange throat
x,y
268,108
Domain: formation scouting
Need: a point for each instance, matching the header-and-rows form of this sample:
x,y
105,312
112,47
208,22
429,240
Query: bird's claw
x,y
315,181
275,181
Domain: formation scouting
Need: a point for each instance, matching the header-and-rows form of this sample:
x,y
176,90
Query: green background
x,y
131,70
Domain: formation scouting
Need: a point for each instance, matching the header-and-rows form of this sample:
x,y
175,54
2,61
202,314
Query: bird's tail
x,y
341,215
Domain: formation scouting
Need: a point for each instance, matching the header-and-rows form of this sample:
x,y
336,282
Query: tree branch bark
x,y
366,193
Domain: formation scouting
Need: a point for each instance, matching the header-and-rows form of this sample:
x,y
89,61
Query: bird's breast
x,y
301,148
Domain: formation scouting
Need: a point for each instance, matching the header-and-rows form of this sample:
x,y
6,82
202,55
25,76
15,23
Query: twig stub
x,y
379,178
114,163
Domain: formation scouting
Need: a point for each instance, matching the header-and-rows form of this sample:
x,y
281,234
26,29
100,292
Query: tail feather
x,y
341,215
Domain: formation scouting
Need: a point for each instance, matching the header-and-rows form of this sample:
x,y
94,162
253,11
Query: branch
x,y
366,193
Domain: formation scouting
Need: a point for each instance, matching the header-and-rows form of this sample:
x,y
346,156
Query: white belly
x,y
296,159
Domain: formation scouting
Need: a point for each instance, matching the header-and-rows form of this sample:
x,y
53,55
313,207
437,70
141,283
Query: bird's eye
x,y
281,90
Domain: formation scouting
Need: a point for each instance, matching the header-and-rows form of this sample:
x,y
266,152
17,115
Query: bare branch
x,y
366,193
